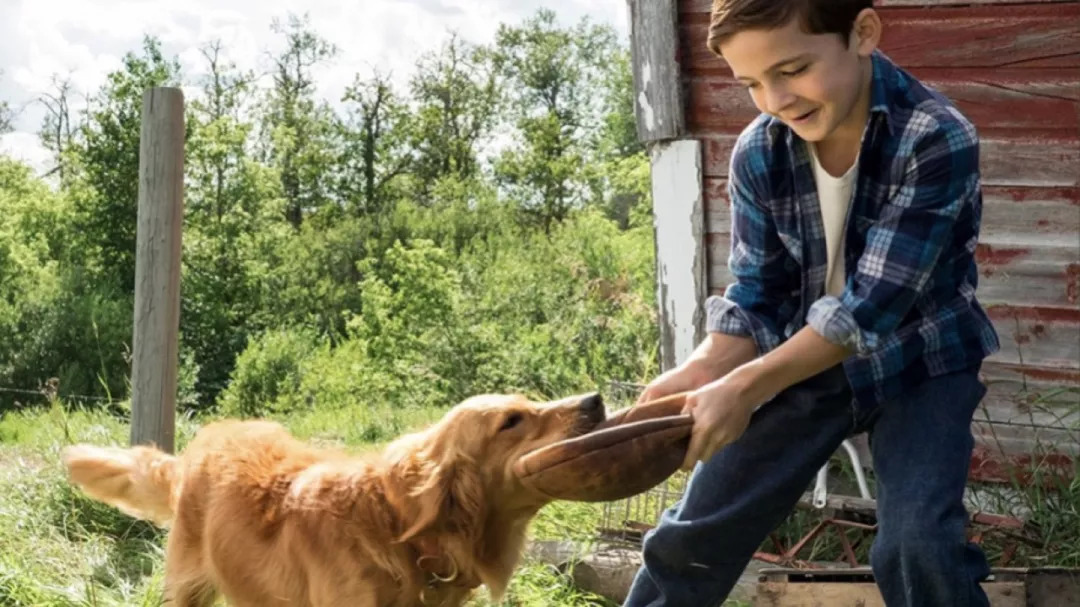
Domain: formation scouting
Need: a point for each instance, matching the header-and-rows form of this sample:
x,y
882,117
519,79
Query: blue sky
x,y
84,39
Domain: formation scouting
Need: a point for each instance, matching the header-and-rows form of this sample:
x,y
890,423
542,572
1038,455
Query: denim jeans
x,y
921,446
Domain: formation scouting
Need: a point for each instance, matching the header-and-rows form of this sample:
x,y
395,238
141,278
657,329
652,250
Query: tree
x,y
619,176
298,130
108,154
375,148
57,134
6,117
554,80
232,204
457,94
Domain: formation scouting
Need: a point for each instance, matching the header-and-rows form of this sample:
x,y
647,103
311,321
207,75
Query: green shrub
x,y
269,371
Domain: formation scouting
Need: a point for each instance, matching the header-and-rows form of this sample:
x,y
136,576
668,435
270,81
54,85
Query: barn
x,y
1014,70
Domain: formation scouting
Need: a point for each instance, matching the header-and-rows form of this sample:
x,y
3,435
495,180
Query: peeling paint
x,y
679,222
647,113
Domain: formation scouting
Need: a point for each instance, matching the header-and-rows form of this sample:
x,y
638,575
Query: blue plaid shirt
x,y
908,309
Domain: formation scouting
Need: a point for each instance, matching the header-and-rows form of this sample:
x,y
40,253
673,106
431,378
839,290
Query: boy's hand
x,y
722,409
721,412
714,357
680,379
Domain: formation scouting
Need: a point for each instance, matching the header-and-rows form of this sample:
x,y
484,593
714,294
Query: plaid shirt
x,y
908,309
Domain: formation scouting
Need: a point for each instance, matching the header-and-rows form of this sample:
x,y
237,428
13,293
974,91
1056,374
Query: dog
x,y
263,519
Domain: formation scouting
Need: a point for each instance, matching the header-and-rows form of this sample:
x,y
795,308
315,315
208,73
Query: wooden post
x,y
678,221
658,90
157,268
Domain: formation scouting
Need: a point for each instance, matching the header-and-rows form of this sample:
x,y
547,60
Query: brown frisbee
x,y
630,452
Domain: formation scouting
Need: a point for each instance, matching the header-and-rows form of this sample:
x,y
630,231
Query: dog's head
x,y
457,476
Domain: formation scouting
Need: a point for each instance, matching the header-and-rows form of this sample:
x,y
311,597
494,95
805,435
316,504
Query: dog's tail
x,y
142,481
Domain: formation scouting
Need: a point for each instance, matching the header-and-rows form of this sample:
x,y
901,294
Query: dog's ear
x,y
448,500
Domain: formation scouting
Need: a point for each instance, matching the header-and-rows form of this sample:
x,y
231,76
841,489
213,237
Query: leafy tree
x,y
5,115
619,176
375,153
57,133
107,152
456,92
298,130
232,207
379,255
554,82
52,323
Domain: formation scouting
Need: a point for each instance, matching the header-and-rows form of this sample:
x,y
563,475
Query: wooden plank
x,y
1030,404
1001,445
863,594
994,461
1026,216
1039,381
1053,587
1029,36
1011,98
1028,161
1037,337
705,6
157,269
820,594
658,102
717,152
1046,100
680,253
717,250
1037,35
1028,274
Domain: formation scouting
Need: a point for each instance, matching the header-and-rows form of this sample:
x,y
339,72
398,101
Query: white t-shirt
x,y
835,196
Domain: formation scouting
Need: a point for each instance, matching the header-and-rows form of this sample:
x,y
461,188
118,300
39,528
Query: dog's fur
x,y
266,520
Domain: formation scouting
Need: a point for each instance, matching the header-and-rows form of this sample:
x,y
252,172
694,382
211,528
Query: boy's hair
x,y
730,17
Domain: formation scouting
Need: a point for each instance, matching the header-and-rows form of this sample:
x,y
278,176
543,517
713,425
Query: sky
x,y
84,40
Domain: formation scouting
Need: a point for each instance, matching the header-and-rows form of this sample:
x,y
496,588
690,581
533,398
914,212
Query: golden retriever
x,y
265,520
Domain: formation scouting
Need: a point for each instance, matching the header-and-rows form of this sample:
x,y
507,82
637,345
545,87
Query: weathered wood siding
x,y
1014,70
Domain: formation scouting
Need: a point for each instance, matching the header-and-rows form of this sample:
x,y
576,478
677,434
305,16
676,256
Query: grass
x,y
59,549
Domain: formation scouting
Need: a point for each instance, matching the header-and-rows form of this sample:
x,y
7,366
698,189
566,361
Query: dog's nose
x,y
592,402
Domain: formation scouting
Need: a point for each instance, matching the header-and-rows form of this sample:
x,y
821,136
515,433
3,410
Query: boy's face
x,y
814,83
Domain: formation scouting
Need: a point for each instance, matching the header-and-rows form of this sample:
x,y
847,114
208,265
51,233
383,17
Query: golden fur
x,y
266,520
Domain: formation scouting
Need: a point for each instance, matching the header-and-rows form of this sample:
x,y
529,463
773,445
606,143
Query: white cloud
x,y
85,39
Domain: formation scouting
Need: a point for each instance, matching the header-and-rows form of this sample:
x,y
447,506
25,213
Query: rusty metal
x,y
789,557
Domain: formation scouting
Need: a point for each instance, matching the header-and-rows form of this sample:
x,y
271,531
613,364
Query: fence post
x,y
157,268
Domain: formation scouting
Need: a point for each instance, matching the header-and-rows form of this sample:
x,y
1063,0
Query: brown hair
x,y
730,17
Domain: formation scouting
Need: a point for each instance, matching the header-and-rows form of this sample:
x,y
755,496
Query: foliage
x,y
482,228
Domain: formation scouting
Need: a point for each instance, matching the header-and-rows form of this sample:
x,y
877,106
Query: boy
x,y
856,205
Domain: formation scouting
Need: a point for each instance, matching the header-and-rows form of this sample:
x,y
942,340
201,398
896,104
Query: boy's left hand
x,y
721,412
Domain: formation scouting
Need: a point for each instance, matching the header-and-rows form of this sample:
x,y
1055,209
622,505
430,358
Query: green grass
x,y
60,549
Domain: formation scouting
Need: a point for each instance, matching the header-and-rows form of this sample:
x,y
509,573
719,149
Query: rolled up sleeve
x,y
754,304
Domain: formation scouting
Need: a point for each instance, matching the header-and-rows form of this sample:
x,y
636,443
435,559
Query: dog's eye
x,y
511,421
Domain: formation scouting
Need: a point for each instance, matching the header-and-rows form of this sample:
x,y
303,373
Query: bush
x,y
269,371
545,316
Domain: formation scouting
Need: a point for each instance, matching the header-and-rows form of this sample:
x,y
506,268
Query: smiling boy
x,y
856,204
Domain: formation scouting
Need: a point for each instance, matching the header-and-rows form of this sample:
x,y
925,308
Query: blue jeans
x,y
921,445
